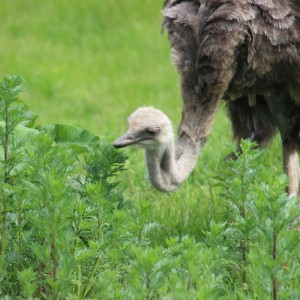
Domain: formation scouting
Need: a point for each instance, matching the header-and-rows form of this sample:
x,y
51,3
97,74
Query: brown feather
x,y
245,51
231,11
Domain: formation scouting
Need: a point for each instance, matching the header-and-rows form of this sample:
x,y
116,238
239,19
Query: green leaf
x,y
21,134
76,138
27,281
10,87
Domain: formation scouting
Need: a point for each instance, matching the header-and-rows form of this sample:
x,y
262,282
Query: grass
x,y
90,64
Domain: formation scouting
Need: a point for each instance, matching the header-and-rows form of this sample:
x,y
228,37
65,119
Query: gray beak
x,y
125,140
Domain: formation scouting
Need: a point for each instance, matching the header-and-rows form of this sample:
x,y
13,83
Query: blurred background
x,y
89,63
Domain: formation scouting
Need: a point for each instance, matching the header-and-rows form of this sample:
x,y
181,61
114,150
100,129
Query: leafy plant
x,y
261,228
68,231
47,181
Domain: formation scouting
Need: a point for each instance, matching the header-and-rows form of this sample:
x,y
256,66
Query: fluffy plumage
x,y
246,52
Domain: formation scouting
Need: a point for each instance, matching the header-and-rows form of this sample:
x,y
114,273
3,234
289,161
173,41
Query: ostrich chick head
x,y
148,128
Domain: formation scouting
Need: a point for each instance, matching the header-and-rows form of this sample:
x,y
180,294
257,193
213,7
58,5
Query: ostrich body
x,y
246,52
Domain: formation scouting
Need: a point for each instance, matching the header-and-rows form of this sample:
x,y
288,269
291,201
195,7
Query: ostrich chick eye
x,y
153,130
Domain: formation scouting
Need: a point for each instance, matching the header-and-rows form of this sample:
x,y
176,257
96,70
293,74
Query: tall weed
x,y
67,232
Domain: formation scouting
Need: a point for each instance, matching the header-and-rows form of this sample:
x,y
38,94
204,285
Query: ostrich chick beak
x,y
126,140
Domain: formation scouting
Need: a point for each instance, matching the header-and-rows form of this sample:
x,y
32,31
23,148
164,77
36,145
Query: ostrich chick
x,y
152,130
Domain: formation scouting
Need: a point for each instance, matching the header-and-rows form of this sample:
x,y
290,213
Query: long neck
x,y
168,166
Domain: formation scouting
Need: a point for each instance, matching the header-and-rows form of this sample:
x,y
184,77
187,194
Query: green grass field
x,y
90,64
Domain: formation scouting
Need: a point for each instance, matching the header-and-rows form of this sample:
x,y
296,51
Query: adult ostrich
x,y
246,52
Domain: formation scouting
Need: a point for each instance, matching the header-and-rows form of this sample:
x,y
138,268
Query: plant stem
x,y
244,257
243,243
274,245
148,285
6,135
54,261
42,289
274,289
79,283
4,208
91,282
274,282
140,234
6,173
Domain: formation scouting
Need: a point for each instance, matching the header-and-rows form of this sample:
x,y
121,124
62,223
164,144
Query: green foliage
x,y
52,196
68,231
192,244
261,233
